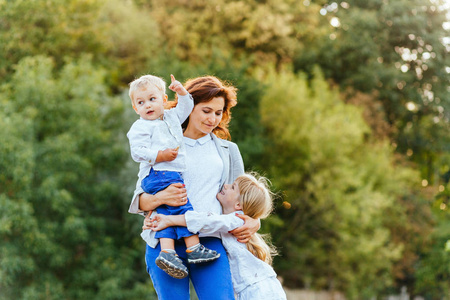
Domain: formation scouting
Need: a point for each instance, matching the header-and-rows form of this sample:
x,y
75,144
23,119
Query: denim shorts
x,y
157,181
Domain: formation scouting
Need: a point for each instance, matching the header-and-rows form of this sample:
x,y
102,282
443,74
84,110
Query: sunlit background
x,y
344,105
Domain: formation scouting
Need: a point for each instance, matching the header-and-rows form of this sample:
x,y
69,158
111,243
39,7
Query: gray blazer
x,y
232,160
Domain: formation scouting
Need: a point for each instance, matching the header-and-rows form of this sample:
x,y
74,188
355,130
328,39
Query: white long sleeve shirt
x,y
147,137
246,269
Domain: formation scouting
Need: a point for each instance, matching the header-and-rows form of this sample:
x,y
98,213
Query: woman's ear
x,y
237,206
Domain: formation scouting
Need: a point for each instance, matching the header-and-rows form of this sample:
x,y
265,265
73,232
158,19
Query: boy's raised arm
x,y
185,103
177,87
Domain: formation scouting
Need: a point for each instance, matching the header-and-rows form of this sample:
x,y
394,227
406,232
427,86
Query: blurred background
x,y
344,105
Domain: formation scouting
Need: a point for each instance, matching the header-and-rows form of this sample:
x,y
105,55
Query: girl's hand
x,y
244,233
177,87
147,222
157,223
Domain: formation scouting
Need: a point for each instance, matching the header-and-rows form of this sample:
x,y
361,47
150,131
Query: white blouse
x,y
203,173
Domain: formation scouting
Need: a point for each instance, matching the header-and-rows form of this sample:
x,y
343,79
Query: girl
x,y
252,275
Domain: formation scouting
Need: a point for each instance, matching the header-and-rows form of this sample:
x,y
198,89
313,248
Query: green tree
x,y
51,28
117,34
433,270
63,155
395,54
395,50
340,188
65,232
268,31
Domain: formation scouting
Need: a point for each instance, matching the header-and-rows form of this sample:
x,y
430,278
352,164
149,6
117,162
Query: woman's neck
x,y
195,135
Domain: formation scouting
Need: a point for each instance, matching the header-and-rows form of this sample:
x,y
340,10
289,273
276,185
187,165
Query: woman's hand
x,y
244,233
174,195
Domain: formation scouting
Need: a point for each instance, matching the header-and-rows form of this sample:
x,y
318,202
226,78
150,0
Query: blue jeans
x,y
157,181
211,280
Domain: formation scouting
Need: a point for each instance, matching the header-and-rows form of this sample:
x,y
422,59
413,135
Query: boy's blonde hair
x,y
256,202
146,81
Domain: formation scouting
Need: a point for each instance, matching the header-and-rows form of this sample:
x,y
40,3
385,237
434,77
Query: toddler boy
x,y
156,142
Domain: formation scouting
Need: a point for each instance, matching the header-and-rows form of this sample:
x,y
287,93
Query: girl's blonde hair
x,y
256,202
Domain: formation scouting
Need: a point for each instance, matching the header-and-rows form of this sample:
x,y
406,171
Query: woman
x,y
211,162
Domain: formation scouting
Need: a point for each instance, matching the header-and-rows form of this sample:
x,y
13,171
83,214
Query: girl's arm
x,y
159,222
195,222
209,223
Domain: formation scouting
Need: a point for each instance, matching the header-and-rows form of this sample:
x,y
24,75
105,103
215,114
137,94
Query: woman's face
x,y
204,118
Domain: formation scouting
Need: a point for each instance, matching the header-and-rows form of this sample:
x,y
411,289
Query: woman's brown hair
x,y
204,89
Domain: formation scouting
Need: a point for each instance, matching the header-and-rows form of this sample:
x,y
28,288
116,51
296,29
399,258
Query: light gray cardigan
x,y
233,167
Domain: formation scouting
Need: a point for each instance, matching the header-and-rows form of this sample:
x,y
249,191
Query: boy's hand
x,y
177,87
167,155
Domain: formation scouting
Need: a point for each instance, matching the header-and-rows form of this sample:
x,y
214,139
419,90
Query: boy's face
x,y
149,102
229,198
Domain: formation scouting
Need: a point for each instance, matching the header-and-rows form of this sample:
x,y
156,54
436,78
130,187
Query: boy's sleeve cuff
x,y
152,157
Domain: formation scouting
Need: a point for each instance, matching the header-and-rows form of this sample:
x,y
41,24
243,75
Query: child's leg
x,y
168,260
192,240
167,244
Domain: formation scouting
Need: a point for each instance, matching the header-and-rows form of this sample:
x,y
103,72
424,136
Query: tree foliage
x,y
355,137
62,214
338,186
396,50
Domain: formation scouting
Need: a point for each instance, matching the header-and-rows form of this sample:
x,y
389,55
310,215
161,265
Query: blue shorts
x,y
157,181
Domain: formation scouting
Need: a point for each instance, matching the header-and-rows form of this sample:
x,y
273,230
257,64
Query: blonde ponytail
x,y
261,247
256,202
